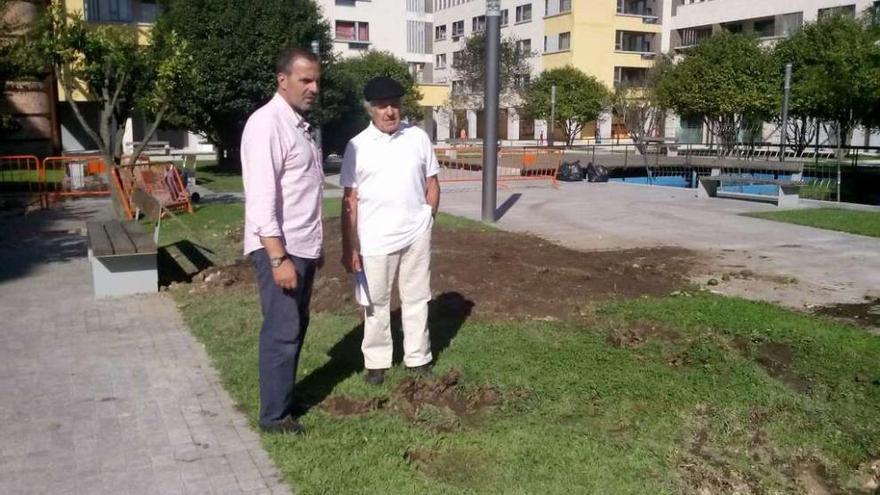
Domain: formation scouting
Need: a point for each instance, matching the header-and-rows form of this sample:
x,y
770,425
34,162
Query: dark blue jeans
x,y
285,320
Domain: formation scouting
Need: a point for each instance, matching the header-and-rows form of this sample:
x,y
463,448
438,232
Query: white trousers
x,y
414,285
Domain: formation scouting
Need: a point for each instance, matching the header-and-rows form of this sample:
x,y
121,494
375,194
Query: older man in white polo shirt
x,y
389,173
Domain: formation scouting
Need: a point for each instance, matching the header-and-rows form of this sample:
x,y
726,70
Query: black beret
x,y
383,88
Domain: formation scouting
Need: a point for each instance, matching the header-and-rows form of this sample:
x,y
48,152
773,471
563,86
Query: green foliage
x,y
342,97
469,66
727,80
234,47
835,72
108,65
580,98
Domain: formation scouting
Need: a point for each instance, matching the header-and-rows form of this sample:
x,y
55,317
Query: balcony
x,y
634,42
646,9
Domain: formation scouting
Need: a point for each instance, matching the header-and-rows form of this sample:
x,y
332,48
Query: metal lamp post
x,y
316,49
490,107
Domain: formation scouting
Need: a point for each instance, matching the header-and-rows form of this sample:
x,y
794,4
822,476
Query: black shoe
x,y
375,377
286,425
423,371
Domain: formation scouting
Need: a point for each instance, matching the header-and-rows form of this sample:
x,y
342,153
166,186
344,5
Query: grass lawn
x,y
852,221
689,394
217,180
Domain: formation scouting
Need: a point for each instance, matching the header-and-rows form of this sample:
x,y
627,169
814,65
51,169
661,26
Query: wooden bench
x,y
123,258
787,191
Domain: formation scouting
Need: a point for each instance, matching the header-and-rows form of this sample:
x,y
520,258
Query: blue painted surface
x,y
685,182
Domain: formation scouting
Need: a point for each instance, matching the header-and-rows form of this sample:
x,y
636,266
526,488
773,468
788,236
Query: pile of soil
x,y
502,274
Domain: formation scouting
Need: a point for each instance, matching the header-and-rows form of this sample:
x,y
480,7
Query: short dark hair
x,y
289,55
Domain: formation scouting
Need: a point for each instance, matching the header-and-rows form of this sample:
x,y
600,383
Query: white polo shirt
x,y
390,173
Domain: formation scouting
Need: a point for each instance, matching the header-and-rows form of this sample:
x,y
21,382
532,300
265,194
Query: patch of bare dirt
x,y
776,358
505,274
865,314
636,335
439,403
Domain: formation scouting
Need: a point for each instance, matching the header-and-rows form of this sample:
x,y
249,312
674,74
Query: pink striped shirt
x,y
283,180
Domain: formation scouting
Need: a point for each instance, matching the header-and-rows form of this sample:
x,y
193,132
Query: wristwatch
x,y
276,262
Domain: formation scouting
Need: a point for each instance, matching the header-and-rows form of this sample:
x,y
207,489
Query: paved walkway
x,y
110,396
827,267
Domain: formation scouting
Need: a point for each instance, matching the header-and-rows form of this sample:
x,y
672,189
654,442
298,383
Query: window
x,y
456,57
457,87
556,7
352,31
765,28
440,32
108,10
847,10
522,80
440,61
504,18
631,77
693,36
634,7
792,23
524,47
630,41
457,29
524,13
478,24
564,41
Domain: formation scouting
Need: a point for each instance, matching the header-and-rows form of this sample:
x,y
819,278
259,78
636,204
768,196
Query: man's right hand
x,y
351,260
285,275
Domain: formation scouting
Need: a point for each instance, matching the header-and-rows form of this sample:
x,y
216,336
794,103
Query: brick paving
x,y
107,396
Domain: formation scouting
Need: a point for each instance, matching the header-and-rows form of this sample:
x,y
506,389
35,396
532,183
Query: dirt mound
x,y
438,403
504,274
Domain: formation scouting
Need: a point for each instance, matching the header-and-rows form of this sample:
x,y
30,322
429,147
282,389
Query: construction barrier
x,y
74,176
21,178
160,180
514,164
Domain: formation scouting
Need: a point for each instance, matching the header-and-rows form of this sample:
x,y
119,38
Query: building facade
x,y
688,22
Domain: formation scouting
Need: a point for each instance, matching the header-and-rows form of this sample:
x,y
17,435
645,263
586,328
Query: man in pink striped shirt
x,y
283,179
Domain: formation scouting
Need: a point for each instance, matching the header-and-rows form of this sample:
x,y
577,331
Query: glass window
x,y
524,13
440,32
564,41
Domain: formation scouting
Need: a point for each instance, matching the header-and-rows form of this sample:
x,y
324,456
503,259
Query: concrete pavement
x,y
112,396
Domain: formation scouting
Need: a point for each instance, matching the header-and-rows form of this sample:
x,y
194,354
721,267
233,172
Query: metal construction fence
x,y
465,164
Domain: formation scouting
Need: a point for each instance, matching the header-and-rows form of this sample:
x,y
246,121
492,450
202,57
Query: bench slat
x,y
98,240
143,243
122,244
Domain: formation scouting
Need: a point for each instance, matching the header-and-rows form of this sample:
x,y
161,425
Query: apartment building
x,y
457,20
616,42
688,22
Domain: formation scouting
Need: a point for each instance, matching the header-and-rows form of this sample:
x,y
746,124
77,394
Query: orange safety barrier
x,y
74,176
21,177
161,180
514,164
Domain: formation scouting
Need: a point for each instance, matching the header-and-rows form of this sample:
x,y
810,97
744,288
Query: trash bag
x,y
570,172
596,173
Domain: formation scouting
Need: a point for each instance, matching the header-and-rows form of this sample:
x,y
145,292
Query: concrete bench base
x,y
124,275
787,194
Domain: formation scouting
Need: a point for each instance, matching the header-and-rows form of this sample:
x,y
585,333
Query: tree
x,y
580,99
728,80
638,106
342,109
234,46
835,77
469,67
106,65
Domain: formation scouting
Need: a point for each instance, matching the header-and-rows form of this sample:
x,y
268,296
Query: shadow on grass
x,y
170,268
446,314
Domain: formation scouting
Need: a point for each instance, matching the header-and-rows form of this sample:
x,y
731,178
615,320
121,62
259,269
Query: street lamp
x,y
316,49
490,106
